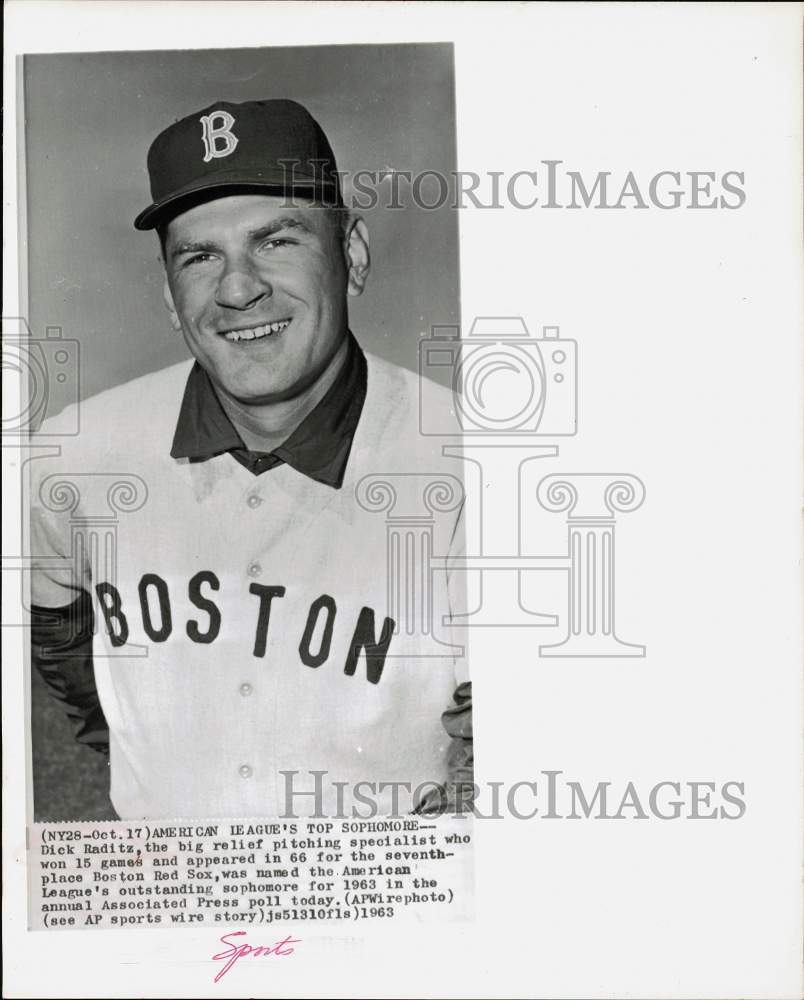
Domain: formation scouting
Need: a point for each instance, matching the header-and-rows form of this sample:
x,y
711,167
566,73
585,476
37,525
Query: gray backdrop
x,y
89,119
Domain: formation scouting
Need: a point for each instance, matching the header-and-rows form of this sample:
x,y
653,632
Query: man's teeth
x,y
257,332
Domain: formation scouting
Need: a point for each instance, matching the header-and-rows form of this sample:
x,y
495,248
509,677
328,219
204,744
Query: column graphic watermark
x,y
48,371
592,503
515,398
411,503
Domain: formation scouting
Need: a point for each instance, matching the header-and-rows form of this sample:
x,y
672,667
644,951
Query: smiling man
x,y
267,633
257,289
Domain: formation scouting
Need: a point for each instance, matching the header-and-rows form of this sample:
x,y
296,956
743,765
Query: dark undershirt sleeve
x,y
457,721
61,651
458,793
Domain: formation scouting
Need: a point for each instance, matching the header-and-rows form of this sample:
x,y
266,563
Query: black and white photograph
x,y
218,600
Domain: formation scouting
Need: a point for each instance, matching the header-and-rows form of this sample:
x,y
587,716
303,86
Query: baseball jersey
x,y
267,644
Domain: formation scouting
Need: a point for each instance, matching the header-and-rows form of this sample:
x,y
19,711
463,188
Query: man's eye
x,y
196,258
275,244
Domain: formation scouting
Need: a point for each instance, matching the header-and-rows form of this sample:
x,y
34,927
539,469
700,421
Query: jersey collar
x,y
318,448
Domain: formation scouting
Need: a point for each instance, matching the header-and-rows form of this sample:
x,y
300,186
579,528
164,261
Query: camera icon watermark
x,y
49,370
513,394
504,381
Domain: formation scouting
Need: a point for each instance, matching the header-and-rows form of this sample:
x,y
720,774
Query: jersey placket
x,y
259,677
287,505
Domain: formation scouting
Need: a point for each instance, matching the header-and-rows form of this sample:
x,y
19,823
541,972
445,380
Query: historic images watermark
x,y
512,393
550,185
548,795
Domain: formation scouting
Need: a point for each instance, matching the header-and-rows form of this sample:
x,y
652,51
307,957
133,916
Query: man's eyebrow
x,y
277,225
189,246
255,235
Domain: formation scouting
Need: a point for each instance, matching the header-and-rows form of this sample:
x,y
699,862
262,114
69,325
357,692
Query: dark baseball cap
x,y
274,146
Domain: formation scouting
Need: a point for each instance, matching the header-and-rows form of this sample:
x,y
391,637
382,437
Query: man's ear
x,y
175,322
357,256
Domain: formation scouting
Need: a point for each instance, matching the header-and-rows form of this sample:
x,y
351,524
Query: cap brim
x,y
207,188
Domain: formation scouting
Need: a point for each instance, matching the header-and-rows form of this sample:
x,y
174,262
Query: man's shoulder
x,y
408,418
404,390
136,419
133,405
143,398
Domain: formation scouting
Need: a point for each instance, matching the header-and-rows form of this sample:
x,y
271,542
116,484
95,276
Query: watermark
x,y
549,184
514,399
549,795
411,504
89,506
49,370
505,381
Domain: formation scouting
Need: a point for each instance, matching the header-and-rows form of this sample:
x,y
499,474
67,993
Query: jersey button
x,y
254,501
245,690
245,771
254,569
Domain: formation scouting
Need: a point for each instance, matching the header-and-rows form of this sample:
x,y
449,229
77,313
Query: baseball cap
x,y
275,145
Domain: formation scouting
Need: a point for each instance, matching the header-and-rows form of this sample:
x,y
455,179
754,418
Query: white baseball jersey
x,y
249,627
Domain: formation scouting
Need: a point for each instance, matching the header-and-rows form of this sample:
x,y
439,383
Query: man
x,y
253,655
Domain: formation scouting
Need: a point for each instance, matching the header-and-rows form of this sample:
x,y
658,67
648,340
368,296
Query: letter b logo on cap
x,y
219,140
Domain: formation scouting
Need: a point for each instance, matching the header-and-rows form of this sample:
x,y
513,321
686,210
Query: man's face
x,y
260,291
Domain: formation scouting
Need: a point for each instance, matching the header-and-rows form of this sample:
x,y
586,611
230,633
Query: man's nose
x,y
241,287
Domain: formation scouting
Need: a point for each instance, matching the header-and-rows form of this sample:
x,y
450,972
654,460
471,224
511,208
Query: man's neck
x,y
265,426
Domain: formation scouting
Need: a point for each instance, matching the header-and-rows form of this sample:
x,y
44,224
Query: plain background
x,y
688,325
90,118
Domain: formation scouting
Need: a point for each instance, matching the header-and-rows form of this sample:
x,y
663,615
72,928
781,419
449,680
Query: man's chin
x,y
261,395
